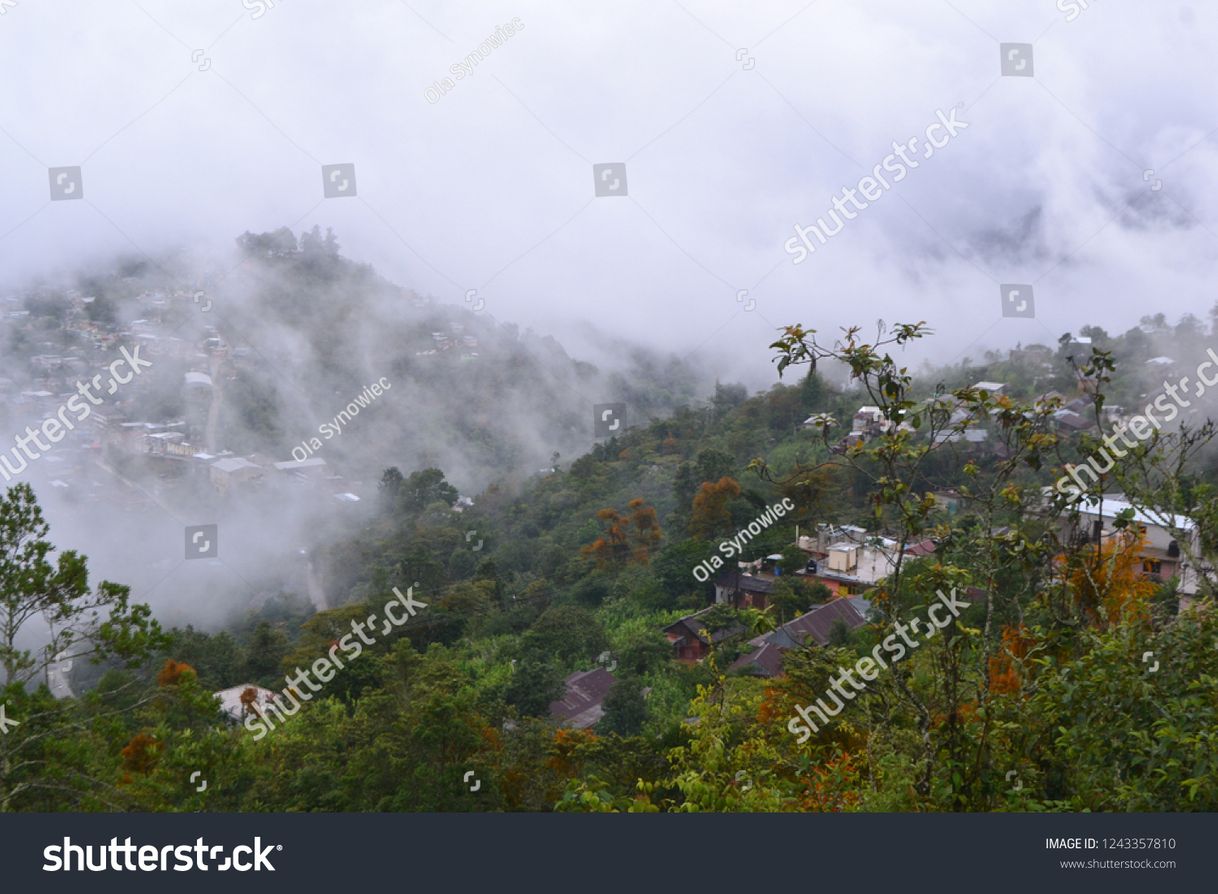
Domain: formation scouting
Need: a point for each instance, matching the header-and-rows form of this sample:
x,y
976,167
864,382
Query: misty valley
x,y
274,521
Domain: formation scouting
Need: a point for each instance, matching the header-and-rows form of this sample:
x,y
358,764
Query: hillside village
x,y
166,429
571,632
848,562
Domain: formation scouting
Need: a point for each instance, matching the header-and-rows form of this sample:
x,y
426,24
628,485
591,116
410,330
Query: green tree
x,y
625,707
389,489
422,488
711,465
264,654
53,602
534,684
567,633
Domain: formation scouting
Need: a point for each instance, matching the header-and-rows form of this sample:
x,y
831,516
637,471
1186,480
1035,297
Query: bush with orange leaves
x,y
834,786
1107,583
709,514
628,536
1004,677
249,701
141,753
571,750
171,672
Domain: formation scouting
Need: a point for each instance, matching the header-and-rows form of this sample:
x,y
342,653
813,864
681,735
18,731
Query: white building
x,y
231,705
1169,539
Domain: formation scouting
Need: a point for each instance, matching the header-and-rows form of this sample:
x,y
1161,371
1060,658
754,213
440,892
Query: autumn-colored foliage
x,y
833,786
249,700
1003,675
710,514
773,707
628,536
569,751
172,671
1107,581
141,753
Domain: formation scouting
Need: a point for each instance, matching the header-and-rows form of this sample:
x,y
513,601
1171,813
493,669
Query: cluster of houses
x,y
174,448
844,558
849,561
693,636
164,446
960,426
465,346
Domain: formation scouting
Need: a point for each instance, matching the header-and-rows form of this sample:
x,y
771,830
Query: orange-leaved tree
x,y
710,514
627,536
1107,581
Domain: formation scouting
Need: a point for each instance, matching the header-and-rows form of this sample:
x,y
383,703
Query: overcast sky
x,y
735,121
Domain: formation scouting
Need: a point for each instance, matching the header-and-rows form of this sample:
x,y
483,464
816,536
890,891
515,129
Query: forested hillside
x,y
1068,676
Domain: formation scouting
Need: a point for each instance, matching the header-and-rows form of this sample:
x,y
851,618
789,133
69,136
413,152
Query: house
x,y
141,437
1161,556
819,421
691,639
197,380
238,701
814,627
1079,347
233,471
848,560
1069,421
948,500
992,387
584,693
742,589
163,443
869,421
314,467
1032,355
970,434
1114,414
953,421
851,440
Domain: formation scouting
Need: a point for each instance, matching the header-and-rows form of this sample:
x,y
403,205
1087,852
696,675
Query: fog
x,y
490,187
193,123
